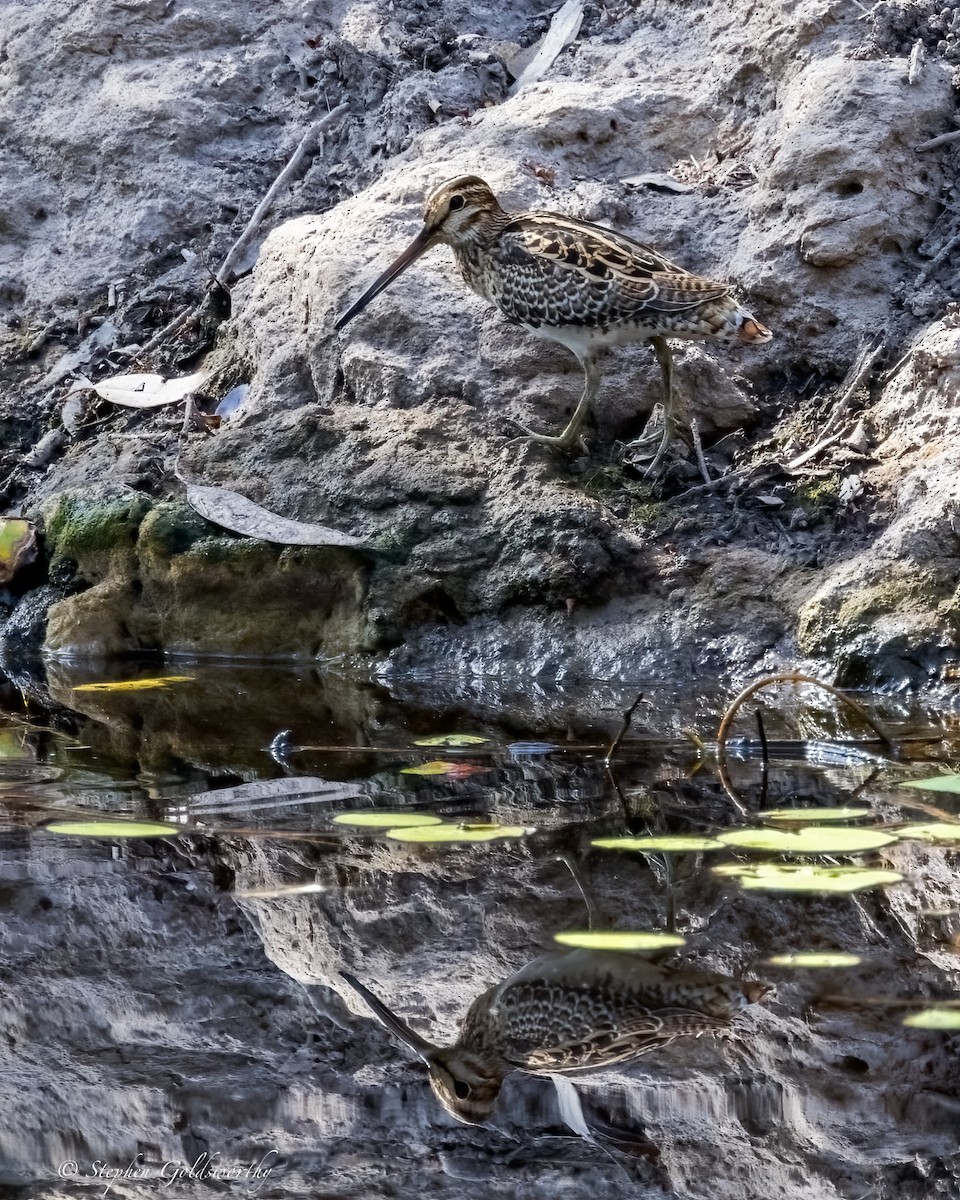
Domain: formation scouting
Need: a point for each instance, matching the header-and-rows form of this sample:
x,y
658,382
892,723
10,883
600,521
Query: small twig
x,y
861,368
627,718
942,140
698,449
167,331
762,734
239,247
938,258
728,477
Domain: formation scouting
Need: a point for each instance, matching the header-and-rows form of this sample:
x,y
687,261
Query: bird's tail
x,y
752,333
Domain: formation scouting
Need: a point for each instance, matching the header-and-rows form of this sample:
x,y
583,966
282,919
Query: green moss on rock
x,y
92,530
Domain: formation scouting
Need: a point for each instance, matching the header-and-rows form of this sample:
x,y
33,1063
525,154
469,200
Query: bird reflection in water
x,y
570,1011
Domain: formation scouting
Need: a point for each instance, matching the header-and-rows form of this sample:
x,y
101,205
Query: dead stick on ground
x,y
855,377
942,140
223,276
937,259
239,247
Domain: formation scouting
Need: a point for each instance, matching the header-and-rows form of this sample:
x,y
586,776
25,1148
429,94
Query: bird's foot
x,y
661,437
564,442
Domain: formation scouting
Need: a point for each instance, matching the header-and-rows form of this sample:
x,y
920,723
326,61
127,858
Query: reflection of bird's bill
x,y
423,241
419,1045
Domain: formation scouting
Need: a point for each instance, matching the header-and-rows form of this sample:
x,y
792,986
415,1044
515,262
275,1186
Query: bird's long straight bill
x,y
423,241
398,1028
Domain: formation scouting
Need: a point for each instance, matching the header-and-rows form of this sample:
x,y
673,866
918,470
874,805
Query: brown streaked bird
x,y
575,283
570,1011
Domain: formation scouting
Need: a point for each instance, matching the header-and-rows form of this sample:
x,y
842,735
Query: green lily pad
x,y
113,829
779,877
815,958
934,1018
814,814
935,783
672,843
934,831
812,839
618,939
441,833
453,741
18,546
383,819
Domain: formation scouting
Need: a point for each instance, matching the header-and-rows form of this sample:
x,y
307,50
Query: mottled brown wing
x,y
633,1036
591,276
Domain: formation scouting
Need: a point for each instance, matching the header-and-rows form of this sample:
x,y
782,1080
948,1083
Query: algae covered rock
x,y
155,576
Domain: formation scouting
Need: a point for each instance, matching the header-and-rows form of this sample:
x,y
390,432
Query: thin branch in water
x,y
765,772
627,718
762,733
795,677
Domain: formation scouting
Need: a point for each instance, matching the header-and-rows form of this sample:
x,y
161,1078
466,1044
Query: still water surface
x,y
176,1021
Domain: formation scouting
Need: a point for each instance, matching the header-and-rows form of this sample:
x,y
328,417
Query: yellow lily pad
x,y
812,839
780,877
934,831
440,833
813,958
133,685
934,1018
618,939
430,768
383,819
814,814
670,843
113,829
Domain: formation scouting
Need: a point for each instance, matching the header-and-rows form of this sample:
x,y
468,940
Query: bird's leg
x,y
665,359
571,435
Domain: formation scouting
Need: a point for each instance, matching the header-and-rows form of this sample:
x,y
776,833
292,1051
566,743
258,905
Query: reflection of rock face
x,y
574,1011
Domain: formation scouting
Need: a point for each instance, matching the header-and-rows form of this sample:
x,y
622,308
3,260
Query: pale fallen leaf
x,y
148,391
240,515
271,793
563,29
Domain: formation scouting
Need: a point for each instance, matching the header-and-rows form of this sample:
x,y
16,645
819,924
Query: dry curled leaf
x,y
241,515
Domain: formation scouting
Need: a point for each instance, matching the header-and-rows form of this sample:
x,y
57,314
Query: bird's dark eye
x,y
461,1090
456,202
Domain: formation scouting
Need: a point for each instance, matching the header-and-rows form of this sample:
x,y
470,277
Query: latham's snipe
x,y
572,1011
576,283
